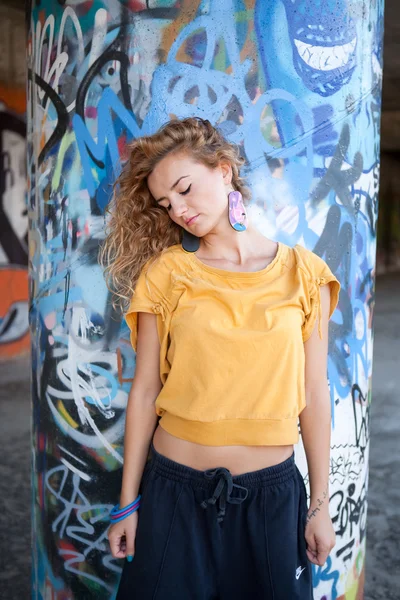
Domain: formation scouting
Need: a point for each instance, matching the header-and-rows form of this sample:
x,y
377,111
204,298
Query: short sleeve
x,y
319,274
149,296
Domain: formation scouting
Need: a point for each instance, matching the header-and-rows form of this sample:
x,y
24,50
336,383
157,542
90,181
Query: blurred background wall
x,y
388,258
14,338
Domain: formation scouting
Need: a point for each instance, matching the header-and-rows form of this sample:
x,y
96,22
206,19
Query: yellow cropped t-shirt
x,y
232,343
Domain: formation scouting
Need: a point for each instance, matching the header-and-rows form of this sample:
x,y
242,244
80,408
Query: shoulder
x,y
168,260
313,270
309,261
159,273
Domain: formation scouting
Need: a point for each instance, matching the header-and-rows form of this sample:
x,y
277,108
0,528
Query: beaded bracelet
x,y
117,513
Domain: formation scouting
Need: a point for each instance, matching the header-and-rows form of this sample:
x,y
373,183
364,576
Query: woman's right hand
x,y
122,535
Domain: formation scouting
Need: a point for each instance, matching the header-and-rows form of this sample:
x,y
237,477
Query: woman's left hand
x,y
320,535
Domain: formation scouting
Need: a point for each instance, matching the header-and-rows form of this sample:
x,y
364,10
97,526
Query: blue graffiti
x,y
326,573
323,38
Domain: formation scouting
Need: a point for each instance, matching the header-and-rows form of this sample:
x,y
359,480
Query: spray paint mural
x,y
297,83
14,330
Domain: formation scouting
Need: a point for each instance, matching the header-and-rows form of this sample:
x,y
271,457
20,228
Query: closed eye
x,y
186,191
182,194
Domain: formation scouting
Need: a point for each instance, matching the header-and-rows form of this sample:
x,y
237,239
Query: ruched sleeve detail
x,y
150,296
318,274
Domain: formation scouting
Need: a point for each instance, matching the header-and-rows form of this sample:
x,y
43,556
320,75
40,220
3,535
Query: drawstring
x,y
225,477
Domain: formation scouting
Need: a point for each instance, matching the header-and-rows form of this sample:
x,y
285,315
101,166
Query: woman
x,y
231,336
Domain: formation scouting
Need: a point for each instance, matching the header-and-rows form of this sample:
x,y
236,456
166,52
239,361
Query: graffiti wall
x,y
14,330
297,83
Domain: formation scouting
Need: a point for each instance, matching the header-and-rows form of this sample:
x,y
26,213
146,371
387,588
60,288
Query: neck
x,y
227,244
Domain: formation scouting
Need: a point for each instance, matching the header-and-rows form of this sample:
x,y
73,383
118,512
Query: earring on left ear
x,y
190,242
236,211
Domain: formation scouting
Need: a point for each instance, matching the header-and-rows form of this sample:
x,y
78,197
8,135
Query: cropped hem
x,y
233,432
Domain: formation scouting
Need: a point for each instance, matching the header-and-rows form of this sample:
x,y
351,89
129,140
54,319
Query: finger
x,y
130,547
312,551
312,544
322,556
116,545
312,557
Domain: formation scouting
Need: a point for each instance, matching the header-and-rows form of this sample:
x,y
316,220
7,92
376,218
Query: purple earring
x,y
237,211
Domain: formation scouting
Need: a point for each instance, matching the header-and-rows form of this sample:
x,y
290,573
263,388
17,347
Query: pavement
x,y
383,525
15,500
383,517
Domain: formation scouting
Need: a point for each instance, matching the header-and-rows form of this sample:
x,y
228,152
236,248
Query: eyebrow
x,y
175,184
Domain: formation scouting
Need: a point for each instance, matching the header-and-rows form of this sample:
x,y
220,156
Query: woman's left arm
x,y
315,424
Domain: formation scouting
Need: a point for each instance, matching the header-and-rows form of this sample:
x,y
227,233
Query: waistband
x,y
268,476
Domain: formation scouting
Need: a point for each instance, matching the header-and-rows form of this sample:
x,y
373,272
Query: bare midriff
x,y
238,459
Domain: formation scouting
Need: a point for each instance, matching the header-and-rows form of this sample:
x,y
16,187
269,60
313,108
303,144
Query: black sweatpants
x,y
208,535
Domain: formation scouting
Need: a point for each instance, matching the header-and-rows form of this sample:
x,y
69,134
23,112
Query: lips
x,y
191,220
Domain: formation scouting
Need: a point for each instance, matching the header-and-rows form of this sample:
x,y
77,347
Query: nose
x,y
179,207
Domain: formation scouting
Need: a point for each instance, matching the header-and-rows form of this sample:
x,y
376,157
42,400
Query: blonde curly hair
x,y
138,229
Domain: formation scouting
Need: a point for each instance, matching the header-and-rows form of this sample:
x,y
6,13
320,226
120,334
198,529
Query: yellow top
x,y
232,353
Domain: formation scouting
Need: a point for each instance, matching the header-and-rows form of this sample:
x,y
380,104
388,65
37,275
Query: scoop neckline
x,y
239,274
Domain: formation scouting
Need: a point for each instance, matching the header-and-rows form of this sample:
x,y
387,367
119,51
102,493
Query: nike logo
x,y
299,571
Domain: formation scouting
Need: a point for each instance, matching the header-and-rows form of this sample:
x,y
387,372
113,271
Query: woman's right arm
x,y
140,424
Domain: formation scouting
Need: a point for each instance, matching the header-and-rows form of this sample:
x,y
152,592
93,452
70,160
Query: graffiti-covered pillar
x,y
297,84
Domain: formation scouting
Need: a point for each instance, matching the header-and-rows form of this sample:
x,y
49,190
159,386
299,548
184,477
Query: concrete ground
x,y
383,530
383,520
15,500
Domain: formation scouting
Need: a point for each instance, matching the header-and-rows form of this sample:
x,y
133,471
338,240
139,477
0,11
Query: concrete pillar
x,y
297,83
